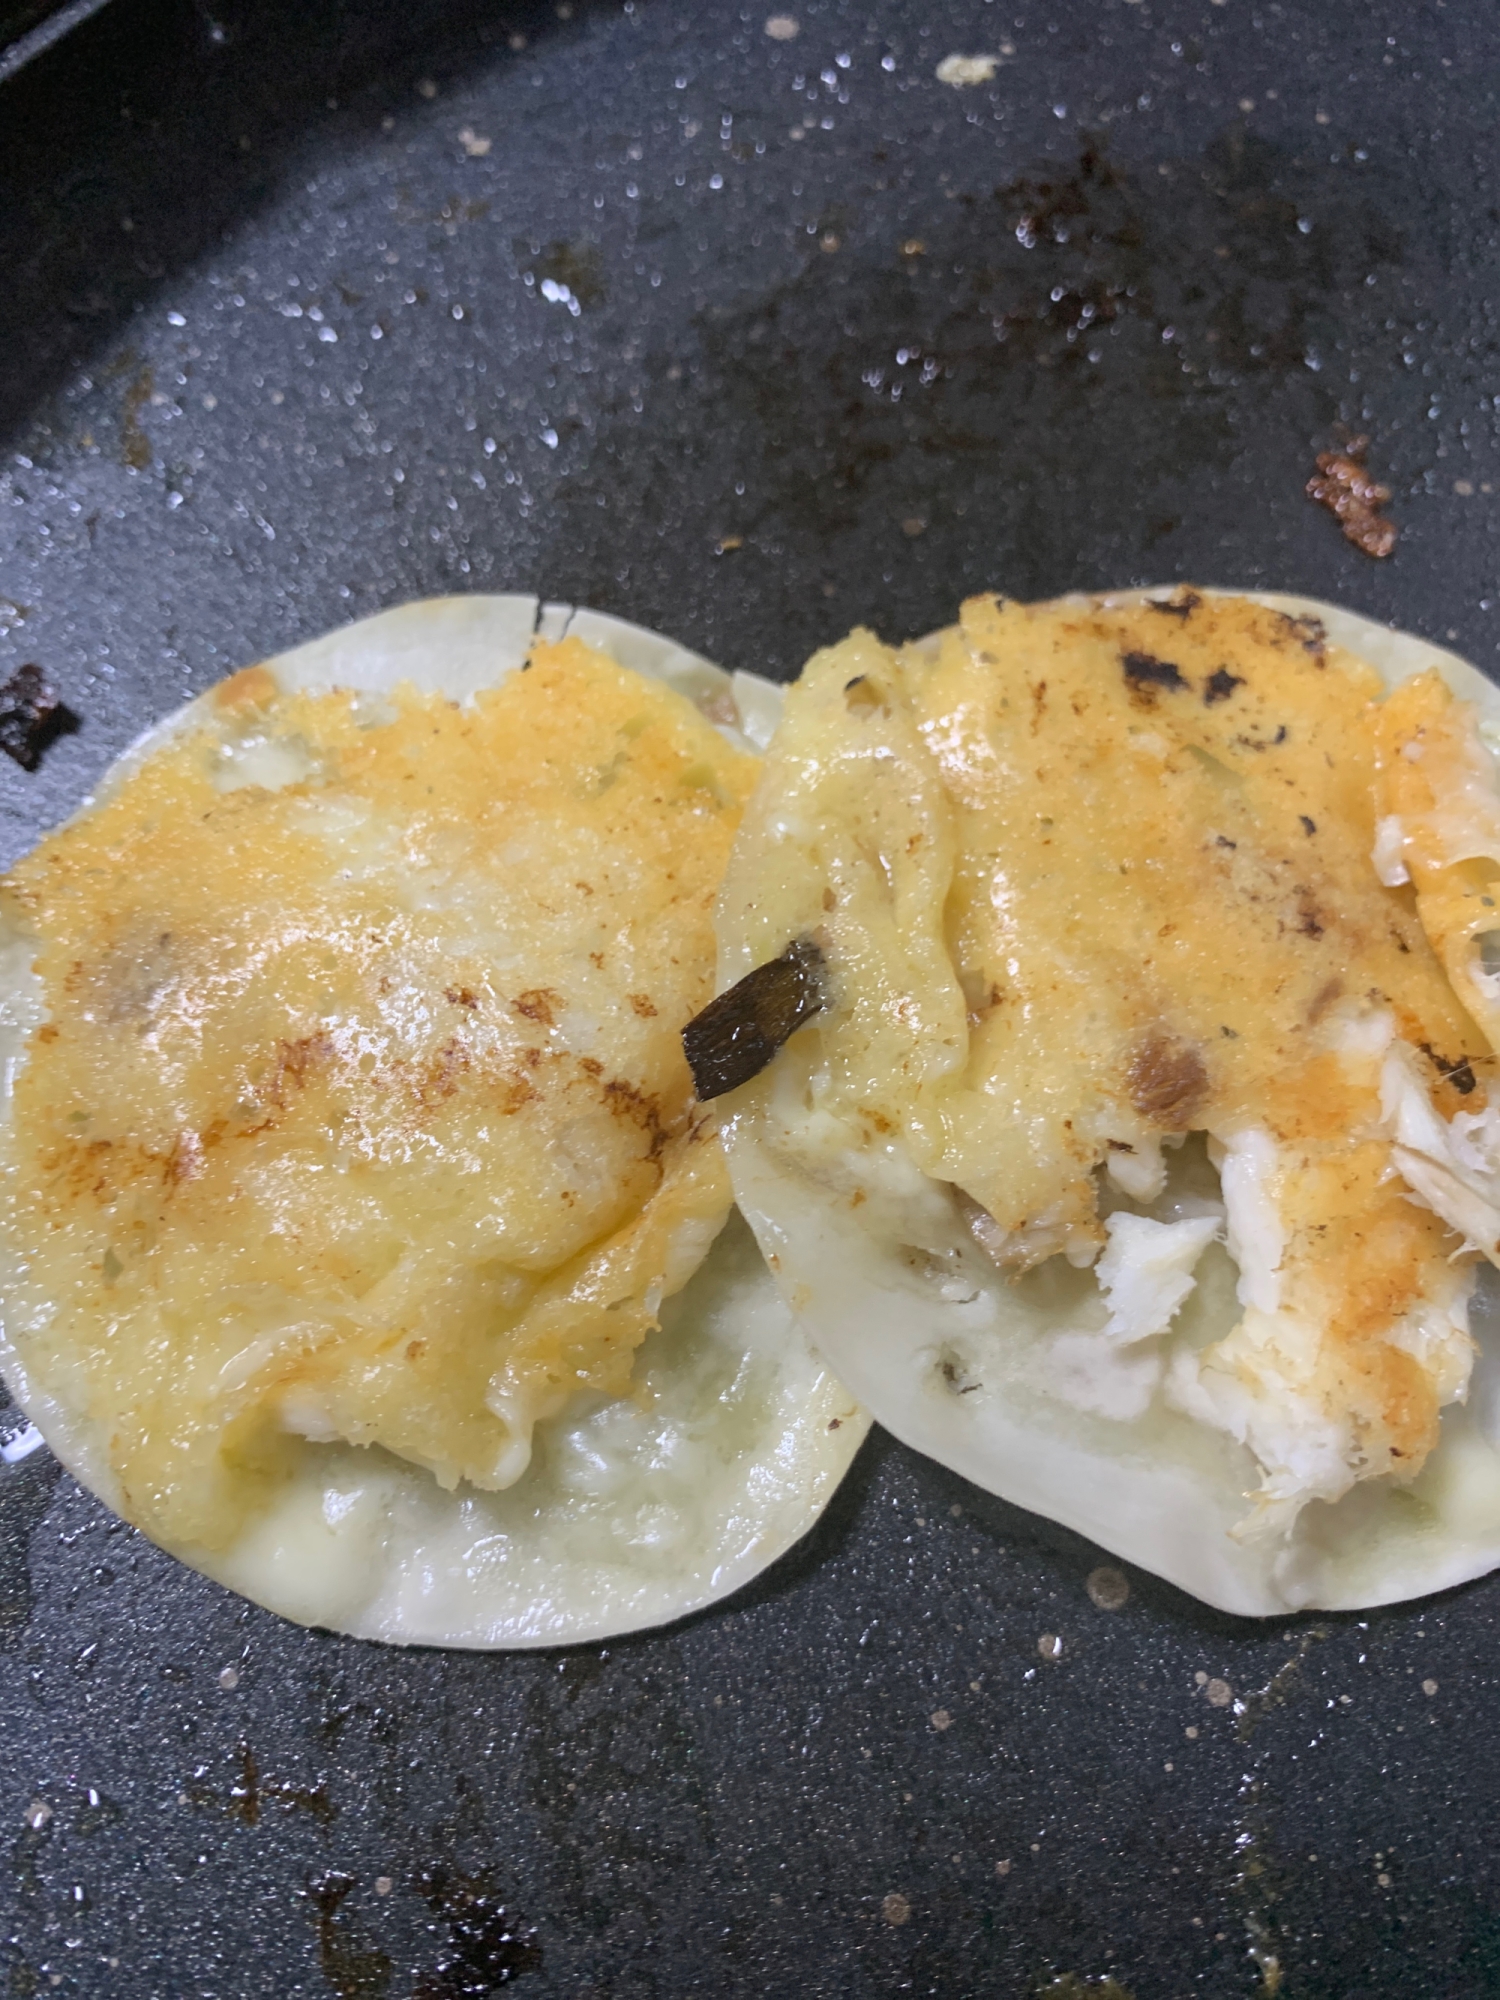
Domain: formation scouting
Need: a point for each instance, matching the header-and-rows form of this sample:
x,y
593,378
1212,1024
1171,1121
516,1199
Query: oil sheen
x,y
355,1108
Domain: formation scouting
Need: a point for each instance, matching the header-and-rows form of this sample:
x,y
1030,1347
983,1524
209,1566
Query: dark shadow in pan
x,y
128,149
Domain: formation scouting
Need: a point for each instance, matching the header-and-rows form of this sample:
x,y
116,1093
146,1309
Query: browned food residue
x,y
354,1972
1343,485
135,446
250,1793
488,1946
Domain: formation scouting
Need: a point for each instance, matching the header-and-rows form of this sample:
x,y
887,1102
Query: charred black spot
x,y
1181,604
1309,827
736,1035
1309,632
32,713
1223,840
1220,685
1460,1074
1146,673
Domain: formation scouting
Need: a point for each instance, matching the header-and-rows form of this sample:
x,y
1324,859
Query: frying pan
x,y
747,335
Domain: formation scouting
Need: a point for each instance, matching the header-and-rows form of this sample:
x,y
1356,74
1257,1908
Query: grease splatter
x,y
488,1947
354,1972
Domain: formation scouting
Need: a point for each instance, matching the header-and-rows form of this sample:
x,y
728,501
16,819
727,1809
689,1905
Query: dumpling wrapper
x,y
633,1511
984,1373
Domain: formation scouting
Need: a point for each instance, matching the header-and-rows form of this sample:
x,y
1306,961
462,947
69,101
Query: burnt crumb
x,y
1345,488
488,1947
1220,685
32,713
1230,1034
1167,1082
1460,1074
1119,1146
1146,674
1181,604
1223,840
737,1034
1309,826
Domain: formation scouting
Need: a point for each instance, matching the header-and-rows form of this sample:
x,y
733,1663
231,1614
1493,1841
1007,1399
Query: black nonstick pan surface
x,y
739,322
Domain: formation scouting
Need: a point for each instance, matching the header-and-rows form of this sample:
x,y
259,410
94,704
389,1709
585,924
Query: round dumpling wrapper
x,y
634,1508
972,1364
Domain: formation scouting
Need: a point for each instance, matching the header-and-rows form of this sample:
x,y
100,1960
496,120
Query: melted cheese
x,y
359,1109
1438,826
1094,875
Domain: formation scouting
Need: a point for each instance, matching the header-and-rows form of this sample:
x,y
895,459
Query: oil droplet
x,y
895,1908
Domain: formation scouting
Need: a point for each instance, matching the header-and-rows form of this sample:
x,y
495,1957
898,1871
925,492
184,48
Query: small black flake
x,y
32,713
736,1035
1309,827
1220,685
1144,671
